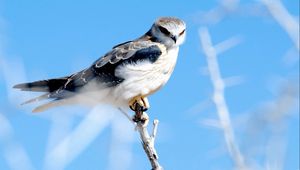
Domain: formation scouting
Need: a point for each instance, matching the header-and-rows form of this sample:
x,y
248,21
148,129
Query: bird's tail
x,y
49,86
49,105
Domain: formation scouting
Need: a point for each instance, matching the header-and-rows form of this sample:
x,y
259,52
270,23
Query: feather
x,y
49,85
48,105
36,99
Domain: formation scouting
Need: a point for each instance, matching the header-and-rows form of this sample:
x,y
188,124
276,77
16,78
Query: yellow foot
x,y
142,101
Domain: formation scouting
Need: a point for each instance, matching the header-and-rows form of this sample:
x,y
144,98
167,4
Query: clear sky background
x,y
46,39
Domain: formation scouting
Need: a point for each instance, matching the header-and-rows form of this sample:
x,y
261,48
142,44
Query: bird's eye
x,y
163,30
182,32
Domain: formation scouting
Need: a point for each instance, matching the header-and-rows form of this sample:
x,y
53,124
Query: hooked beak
x,y
174,38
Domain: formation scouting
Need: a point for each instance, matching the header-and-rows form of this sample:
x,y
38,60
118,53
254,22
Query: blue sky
x,y
46,39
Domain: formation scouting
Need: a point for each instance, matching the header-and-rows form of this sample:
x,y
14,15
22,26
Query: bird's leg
x,y
140,116
142,101
139,105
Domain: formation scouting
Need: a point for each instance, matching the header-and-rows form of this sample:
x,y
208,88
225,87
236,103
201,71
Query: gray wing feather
x,y
125,51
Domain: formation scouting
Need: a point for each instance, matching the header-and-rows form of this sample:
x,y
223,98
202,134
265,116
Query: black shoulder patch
x,y
106,73
151,53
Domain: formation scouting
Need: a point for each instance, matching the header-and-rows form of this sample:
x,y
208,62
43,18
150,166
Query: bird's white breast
x,y
144,78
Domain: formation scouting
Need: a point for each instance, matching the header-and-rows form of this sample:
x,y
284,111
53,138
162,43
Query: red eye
x,y
182,32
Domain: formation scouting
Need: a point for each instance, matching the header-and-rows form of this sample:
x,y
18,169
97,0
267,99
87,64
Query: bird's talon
x,y
141,101
143,119
132,108
143,109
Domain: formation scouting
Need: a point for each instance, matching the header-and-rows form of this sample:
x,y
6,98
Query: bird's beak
x,y
174,38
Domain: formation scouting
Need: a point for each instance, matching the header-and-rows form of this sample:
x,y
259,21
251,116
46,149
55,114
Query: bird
x,y
123,77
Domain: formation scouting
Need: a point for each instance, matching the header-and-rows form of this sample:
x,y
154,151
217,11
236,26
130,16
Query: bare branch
x,y
154,131
219,99
141,120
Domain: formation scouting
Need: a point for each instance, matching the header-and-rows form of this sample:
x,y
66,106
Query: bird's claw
x,y
139,106
142,119
141,101
142,108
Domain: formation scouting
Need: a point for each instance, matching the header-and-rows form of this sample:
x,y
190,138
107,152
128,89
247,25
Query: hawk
x,y
124,76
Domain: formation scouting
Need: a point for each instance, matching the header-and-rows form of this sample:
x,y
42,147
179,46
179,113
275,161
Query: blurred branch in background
x,y
122,138
266,132
76,141
228,8
289,23
219,99
14,153
218,13
275,9
266,129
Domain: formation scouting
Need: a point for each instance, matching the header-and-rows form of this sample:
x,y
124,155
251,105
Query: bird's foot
x,y
139,108
142,119
141,101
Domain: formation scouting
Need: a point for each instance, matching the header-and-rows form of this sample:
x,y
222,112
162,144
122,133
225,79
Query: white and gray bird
x,y
126,75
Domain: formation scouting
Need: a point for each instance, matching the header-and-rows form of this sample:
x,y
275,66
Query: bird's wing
x,y
132,51
103,70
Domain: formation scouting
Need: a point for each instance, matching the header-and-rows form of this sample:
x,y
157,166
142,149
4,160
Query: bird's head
x,y
169,31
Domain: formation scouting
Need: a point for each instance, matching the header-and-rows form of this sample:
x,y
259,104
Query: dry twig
x,y
141,120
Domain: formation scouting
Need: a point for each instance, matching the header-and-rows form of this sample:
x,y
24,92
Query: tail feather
x,y
53,89
49,85
49,105
36,99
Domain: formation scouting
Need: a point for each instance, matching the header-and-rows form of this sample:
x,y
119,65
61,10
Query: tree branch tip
x,y
141,120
